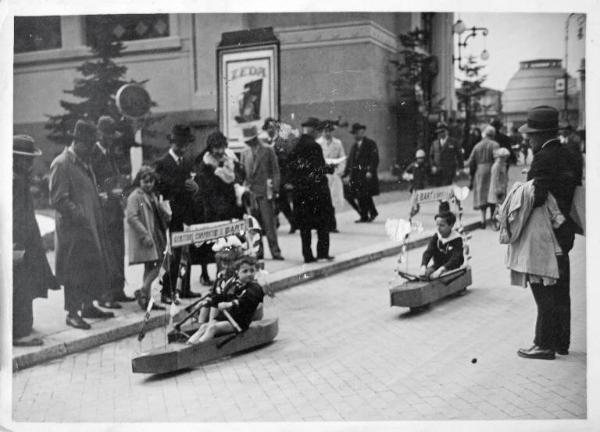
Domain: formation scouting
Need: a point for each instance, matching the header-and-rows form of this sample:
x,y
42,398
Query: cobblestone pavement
x,y
343,354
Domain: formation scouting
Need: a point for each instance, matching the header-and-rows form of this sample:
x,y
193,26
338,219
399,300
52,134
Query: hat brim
x,y
37,152
526,129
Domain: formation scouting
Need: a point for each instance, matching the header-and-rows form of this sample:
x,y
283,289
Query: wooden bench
x,y
417,295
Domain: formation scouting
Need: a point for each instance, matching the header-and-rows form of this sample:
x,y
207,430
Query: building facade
x,y
330,65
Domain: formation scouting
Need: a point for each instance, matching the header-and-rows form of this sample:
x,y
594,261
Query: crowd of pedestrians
x,y
305,176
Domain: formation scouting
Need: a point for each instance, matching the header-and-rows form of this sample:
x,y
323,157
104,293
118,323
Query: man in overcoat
x,y
32,277
261,177
445,157
312,199
360,175
112,176
81,256
176,185
554,170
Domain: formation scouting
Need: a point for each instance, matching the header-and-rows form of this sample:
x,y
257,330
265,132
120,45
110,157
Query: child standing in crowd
x,y
499,177
445,248
416,173
147,221
241,306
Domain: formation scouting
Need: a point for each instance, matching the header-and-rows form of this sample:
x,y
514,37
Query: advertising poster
x,y
247,90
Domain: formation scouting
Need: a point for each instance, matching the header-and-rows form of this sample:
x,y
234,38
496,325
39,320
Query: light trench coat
x,y
142,223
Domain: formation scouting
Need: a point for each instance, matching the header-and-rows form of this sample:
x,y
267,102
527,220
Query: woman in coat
x,y
148,222
480,166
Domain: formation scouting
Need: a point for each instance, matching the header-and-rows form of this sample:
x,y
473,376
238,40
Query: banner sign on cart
x,y
205,232
435,194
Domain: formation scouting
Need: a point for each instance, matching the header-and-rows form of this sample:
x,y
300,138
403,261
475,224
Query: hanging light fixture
x,y
459,27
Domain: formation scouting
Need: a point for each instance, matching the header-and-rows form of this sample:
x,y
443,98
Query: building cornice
x,y
335,34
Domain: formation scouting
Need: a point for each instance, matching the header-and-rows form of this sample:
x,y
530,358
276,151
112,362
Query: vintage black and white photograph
x,y
298,218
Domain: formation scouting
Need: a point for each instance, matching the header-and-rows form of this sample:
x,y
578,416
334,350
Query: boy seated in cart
x,y
445,248
237,309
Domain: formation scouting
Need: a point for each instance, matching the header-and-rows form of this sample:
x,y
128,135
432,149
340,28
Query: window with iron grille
x,y
127,27
37,33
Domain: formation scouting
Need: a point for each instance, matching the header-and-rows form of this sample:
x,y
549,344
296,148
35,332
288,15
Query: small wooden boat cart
x,y
177,354
415,292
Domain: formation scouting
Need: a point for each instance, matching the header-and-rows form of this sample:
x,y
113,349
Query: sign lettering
x,y
435,194
205,232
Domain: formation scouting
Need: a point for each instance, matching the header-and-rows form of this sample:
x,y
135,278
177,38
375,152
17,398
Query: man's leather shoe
x,y
361,220
167,300
562,351
535,352
310,260
372,217
328,258
123,298
110,305
27,342
277,257
77,322
190,294
335,231
205,280
94,312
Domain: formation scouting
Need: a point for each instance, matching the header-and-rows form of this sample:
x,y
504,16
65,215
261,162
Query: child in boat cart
x,y
240,307
445,248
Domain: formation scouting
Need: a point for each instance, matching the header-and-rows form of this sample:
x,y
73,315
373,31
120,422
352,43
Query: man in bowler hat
x,y
82,264
175,184
112,176
312,199
553,170
360,176
32,277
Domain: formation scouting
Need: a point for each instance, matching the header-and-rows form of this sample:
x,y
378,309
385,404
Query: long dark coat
x,y
312,200
360,161
81,260
171,185
32,277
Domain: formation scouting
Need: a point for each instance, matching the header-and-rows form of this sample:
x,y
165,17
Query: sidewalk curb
x,y
131,325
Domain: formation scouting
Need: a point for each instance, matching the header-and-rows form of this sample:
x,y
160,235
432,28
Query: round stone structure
x,y
538,82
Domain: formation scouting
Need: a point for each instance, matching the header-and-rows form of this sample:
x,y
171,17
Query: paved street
x,y
342,354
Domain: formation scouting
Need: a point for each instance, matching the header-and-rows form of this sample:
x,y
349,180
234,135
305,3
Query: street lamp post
x,y
459,28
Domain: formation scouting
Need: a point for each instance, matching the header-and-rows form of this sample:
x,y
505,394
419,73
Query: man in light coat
x,y
262,178
81,258
553,170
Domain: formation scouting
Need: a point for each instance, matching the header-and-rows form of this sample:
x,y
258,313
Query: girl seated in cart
x,y
236,309
445,248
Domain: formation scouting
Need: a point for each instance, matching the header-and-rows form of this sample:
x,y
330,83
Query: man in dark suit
x,y
175,184
553,169
360,176
445,157
112,176
312,199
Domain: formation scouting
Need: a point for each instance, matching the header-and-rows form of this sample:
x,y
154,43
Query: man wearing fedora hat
x,y
82,264
112,176
262,178
32,277
176,184
360,175
445,157
553,170
312,199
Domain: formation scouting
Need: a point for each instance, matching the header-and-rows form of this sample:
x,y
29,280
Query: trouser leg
x,y
74,298
305,236
151,270
351,198
284,205
268,224
332,222
322,243
169,281
544,326
363,205
562,304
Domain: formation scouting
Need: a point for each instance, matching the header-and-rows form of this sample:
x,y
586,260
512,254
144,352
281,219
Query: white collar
x,y
174,156
453,236
102,149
